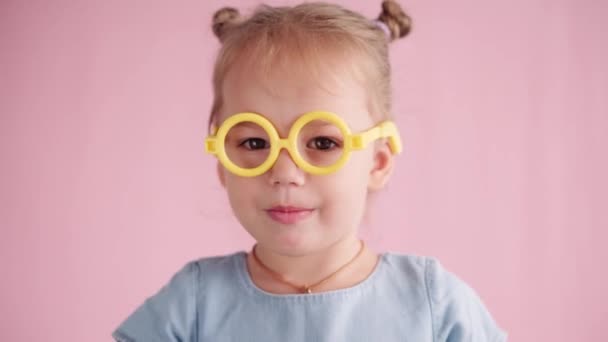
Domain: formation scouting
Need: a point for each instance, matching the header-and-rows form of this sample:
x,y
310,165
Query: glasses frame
x,y
214,143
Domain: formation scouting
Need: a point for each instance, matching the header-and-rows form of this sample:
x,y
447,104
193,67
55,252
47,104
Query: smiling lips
x,y
288,214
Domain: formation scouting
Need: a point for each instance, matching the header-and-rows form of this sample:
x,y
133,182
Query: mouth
x,y
289,214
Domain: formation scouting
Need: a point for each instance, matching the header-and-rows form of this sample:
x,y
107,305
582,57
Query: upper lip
x,y
288,208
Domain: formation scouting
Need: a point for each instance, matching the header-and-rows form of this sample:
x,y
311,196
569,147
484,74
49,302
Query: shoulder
x,y
457,311
214,270
170,313
188,277
187,280
216,262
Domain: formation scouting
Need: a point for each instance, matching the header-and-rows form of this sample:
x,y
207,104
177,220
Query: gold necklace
x,y
303,288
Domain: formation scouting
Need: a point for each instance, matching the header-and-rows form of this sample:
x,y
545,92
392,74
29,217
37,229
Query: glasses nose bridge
x,y
284,143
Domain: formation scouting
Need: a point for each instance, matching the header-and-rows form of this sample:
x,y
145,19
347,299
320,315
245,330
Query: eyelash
x,y
245,142
333,144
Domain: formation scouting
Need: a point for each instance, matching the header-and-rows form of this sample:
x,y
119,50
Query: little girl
x,y
302,132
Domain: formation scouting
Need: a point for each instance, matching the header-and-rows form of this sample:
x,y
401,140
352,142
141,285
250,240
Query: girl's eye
x,y
322,143
254,144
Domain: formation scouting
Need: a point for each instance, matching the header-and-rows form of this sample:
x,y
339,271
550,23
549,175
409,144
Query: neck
x,y
314,266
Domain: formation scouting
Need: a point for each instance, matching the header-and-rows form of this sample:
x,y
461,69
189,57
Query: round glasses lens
x,y
321,143
247,145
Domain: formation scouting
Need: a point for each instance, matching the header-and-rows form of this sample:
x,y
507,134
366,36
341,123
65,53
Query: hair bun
x,y
398,22
223,19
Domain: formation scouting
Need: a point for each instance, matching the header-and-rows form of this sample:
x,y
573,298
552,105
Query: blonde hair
x,y
305,34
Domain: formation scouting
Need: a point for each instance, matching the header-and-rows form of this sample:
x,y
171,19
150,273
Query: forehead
x,y
286,92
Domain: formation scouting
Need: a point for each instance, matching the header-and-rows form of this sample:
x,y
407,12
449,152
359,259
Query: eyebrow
x,y
247,124
314,123
320,123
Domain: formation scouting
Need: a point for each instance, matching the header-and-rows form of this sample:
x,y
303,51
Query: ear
x,y
383,166
220,174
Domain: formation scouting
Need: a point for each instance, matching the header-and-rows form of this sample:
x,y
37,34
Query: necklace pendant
x,y
307,289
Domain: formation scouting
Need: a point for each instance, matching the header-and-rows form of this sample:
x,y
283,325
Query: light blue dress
x,y
406,298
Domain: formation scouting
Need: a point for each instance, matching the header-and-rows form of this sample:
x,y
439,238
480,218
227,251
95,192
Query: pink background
x,y
105,190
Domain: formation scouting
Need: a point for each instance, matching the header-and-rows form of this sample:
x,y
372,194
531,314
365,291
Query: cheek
x,y
356,172
345,192
343,209
240,190
241,195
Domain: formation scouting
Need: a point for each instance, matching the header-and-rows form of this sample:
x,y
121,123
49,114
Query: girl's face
x,y
286,209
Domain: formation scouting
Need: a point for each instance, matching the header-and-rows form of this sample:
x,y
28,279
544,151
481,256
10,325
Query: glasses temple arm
x,y
386,129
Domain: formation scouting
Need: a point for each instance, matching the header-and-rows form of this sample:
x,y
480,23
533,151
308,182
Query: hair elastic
x,y
382,25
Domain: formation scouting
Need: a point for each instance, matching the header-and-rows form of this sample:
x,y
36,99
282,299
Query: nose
x,y
285,171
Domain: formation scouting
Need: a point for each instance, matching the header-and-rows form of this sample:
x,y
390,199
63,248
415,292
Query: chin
x,y
285,243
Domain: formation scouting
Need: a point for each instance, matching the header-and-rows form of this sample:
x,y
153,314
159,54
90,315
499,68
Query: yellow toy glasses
x,y
247,144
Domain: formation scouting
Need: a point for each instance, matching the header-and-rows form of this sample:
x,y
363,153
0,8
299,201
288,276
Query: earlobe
x,y
220,174
383,167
